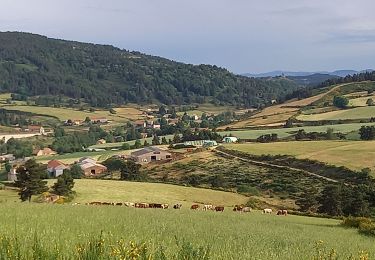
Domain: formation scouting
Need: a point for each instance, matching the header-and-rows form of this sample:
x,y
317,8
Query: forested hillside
x,y
102,75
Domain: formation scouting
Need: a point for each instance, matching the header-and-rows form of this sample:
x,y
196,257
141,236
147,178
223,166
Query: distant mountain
x,y
339,73
312,80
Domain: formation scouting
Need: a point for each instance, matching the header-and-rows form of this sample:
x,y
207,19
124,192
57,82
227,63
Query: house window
x,y
93,172
153,158
168,156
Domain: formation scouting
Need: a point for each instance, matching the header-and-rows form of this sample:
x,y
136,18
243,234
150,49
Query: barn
x,y
150,154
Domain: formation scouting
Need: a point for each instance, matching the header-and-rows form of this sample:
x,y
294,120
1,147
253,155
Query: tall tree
x,y
64,185
330,201
30,180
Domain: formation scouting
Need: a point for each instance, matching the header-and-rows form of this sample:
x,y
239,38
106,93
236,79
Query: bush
x,y
355,222
252,191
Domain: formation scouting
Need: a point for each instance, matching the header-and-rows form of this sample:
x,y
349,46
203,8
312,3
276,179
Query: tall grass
x,y
74,232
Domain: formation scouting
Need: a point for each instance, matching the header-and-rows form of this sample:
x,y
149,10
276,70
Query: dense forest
x,y
101,75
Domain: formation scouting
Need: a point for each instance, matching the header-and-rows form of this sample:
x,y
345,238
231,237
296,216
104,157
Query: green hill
x,y
33,65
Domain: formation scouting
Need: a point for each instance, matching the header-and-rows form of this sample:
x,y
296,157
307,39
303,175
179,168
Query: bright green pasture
x,y
229,235
355,155
285,132
353,113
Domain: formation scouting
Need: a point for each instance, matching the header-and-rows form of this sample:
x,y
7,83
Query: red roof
x,y
54,164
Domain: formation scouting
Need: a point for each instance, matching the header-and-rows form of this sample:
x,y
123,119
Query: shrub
x,y
355,222
253,191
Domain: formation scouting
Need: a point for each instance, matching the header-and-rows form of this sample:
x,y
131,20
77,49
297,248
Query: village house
x,y
101,141
56,168
90,167
35,129
99,120
140,123
7,157
194,117
43,152
12,174
230,139
156,126
150,154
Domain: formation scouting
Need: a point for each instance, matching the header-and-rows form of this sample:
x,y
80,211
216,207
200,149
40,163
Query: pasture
x,y
285,132
355,155
228,235
345,114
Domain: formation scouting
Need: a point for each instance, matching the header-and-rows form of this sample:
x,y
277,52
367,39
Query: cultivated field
x,y
60,228
355,155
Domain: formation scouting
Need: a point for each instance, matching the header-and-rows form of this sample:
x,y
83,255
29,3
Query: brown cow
x,y
219,208
282,212
141,205
119,204
95,203
194,207
238,208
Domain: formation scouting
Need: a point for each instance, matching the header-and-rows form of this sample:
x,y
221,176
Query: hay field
x,y
355,155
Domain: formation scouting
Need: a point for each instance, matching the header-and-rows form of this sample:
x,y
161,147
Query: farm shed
x,y
150,154
230,139
56,168
90,167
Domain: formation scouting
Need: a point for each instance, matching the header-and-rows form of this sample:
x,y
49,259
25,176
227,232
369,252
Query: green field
x,y
119,144
229,235
355,155
353,113
285,132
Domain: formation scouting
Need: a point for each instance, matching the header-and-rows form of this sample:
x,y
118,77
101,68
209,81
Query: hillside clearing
x,y
355,155
352,113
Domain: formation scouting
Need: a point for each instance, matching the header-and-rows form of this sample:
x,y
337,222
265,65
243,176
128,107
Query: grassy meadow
x,y
352,113
228,235
285,132
355,155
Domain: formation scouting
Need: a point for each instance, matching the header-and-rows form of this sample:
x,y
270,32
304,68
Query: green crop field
x,y
65,230
119,144
285,132
353,113
355,155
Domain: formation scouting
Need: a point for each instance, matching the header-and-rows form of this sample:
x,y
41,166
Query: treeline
x,y
12,118
19,148
32,65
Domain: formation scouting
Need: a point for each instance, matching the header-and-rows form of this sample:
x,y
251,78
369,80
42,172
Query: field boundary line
x,y
259,163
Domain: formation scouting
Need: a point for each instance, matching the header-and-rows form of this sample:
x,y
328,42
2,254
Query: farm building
x,y
101,141
201,143
90,167
230,139
56,168
44,151
7,158
150,154
12,174
35,129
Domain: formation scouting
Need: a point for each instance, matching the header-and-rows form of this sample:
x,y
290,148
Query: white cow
x,y
208,207
267,211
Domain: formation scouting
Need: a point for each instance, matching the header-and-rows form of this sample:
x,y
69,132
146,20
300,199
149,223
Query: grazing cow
x,y
107,203
194,207
208,207
246,209
267,211
118,204
282,212
177,206
95,203
129,204
165,206
219,208
238,208
141,205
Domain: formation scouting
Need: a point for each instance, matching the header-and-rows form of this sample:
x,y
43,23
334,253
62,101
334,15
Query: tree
x,y
340,101
308,201
329,134
30,180
125,146
64,185
330,201
164,140
370,102
137,144
76,171
145,143
176,138
155,140
130,171
367,132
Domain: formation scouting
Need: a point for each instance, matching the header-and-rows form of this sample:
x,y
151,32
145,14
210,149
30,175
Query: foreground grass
x,y
355,155
228,235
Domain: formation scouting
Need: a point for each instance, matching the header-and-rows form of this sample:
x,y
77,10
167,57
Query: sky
x,y
244,36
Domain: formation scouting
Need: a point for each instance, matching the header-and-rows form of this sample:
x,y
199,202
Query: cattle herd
x,y
206,207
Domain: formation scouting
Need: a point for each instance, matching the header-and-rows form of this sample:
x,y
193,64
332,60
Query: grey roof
x,y
147,150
